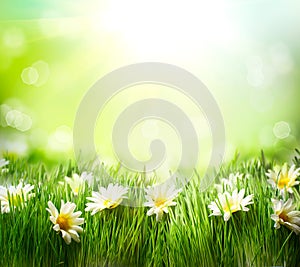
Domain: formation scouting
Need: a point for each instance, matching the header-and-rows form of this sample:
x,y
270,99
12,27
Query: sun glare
x,y
167,26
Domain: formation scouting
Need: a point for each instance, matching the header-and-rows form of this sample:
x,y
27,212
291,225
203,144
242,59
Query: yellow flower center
x,y
230,207
109,204
283,216
160,202
283,182
16,200
63,221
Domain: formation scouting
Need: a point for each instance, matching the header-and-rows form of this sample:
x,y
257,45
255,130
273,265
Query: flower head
x,y
15,196
77,182
285,214
229,183
284,178
227,203
3,162
107,198
66,221
159,198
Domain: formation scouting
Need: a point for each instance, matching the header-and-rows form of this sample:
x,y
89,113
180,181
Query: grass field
x,y
126,236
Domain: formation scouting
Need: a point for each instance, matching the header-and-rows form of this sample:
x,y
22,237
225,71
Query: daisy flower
x,y
77,182
14,196
227,203
283,178
229,183
3,162
159,198
66,220
285,214
107,198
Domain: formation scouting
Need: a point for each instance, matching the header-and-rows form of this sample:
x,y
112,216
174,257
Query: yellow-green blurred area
x,y
52,52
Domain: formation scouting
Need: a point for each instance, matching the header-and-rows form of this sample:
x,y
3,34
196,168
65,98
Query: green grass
x,y
126,236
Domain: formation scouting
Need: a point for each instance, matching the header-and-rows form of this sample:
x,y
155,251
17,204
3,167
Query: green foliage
x,y
126,236
297,158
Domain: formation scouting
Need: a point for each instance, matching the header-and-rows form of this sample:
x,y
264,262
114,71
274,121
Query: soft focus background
x,y
52,52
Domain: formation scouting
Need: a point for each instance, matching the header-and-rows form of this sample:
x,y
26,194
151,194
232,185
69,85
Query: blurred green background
x,y
52,52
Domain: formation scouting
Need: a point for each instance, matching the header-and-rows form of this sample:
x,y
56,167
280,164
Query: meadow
x,y
125,236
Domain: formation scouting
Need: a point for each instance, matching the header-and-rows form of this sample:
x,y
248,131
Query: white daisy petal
x,y
66,236
77,183
56,227
106,198
159,198
3,163
285,214
15,196
226,216
230,183
227,203
283,178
